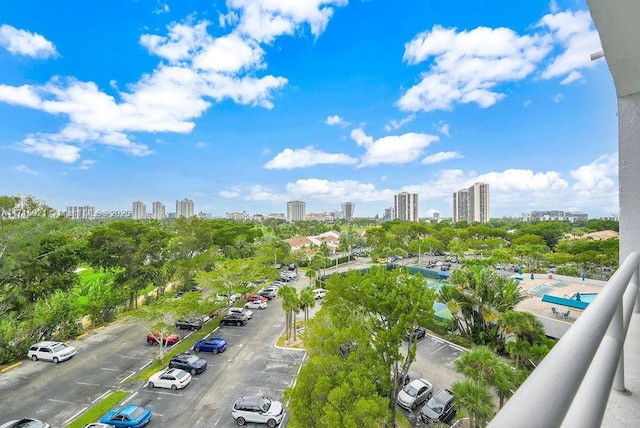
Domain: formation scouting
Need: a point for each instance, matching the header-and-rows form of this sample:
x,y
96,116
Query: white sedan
x,y
170,378
255,305
235,310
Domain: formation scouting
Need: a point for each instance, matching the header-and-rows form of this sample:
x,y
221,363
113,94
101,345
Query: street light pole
x,y
418,254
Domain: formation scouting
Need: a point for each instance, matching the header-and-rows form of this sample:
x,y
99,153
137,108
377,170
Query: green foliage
x,y
97,411
354,342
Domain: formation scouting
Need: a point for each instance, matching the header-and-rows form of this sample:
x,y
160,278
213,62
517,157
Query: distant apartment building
x,y
240,216
277,216
323,217
78,212
139,210
405,206
159,211
472,204
296,211
348,209
184,208
555,215
388,214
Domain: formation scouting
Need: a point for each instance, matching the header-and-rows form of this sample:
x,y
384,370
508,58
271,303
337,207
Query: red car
x,y
152,339
256,298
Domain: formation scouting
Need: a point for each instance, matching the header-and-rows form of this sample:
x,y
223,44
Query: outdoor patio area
x,y
562,287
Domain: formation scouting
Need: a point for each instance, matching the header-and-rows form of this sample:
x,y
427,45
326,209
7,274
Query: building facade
x,y
159,211
472,204
558,215
184,208
405,206
348,208
77,212
296,211
139,210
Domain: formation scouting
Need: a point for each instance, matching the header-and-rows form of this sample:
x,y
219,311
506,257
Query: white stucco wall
x,y
629,173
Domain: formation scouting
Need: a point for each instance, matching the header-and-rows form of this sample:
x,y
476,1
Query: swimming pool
x,y
584,297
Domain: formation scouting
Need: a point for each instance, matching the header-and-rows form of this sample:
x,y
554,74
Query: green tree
x,y
475,400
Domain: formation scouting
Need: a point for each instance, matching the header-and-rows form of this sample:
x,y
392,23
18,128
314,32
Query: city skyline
x,y
239,115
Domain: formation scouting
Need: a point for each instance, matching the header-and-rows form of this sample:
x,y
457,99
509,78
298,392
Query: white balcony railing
x,y
571,386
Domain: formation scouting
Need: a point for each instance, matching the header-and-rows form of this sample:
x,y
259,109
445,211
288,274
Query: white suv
x,y
51,351
255,408
235,310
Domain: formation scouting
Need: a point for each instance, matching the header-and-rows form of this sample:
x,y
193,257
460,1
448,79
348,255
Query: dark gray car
x,y
439,408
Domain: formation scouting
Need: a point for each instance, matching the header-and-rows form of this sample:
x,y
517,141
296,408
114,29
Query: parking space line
x,y
443,346
87,383
61,401
75,416
101,397
123,380
146,364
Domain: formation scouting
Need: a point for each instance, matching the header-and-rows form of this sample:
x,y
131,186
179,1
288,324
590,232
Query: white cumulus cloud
x,y
336,120
393,149
441,157
306,157
22,42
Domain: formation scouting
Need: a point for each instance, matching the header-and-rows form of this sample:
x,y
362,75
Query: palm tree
x,y
311,274
475,400
307,301
518,350
290,305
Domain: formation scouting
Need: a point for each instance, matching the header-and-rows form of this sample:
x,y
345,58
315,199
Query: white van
x,y
319,293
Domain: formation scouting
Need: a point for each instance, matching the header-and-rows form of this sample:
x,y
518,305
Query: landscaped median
x,y
100,408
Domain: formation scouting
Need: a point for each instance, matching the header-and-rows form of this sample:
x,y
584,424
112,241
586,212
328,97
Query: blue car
x,y
215,345
130,416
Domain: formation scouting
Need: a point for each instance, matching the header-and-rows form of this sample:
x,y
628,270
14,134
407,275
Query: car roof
x,y
47,343
443,395
252,399
418,383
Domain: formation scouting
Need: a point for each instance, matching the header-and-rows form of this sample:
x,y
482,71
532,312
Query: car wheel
x,y
150,342
151,385
215,351
34,357
240,421
174,387
238,323
193,328
197,349
194,372
55,360
271,423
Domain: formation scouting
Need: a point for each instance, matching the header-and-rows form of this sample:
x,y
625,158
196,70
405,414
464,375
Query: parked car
x,y
256,297
255,408
234,319
169,378
235,297
418,333
51,351
247,312
319,293
25,423
188,362
189,324
154,336
215,345
414,393
256,305
127,416
267,292
439,408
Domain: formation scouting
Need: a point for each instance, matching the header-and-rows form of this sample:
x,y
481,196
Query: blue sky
x,y
244,105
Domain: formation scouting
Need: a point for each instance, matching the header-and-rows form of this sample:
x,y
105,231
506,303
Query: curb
x,y
6,369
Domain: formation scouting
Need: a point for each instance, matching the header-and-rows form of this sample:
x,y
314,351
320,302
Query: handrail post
x,y
617,332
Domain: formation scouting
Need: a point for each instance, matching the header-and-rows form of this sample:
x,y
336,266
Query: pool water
x,y
585,297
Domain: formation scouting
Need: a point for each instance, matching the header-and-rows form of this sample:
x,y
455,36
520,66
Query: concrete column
x,y
629,173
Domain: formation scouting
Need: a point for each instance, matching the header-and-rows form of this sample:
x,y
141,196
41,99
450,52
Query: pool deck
x,y
553,325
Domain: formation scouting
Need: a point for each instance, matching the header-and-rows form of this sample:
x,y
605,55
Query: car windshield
x,y
435,405
410,390
59,347
266,404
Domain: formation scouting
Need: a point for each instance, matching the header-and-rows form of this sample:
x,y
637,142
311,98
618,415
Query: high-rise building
x,y
296,211
159,211
472,204
348,209
84,211
184,208
405,206
139,211
388,214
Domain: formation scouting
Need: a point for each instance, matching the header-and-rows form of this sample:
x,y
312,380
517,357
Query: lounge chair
x,y
565,315
554,312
